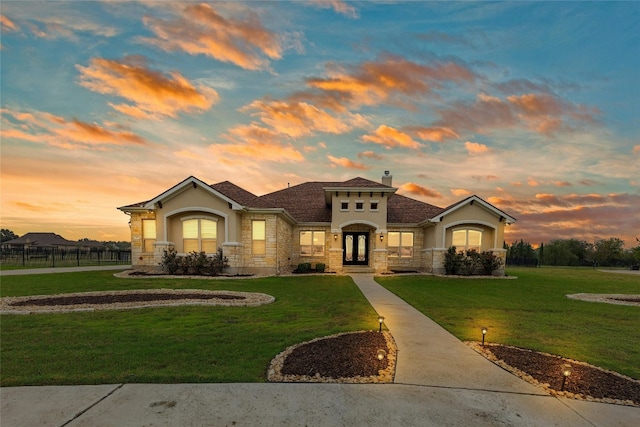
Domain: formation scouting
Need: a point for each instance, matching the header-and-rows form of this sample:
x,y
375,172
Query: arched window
x,y
199,235
467,239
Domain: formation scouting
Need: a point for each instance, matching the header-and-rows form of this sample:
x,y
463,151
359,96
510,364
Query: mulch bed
x,y
585,381
348,355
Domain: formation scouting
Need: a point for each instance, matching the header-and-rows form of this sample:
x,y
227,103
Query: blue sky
x,y
532,106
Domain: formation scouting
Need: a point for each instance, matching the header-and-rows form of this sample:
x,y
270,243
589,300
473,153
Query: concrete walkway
x,y
439,382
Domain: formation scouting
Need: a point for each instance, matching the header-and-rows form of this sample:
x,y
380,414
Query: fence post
x,y
78,256
24,250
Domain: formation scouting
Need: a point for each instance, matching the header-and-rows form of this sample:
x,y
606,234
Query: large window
x,y
148,234
312,243
400,243
467,239
258,237
199,235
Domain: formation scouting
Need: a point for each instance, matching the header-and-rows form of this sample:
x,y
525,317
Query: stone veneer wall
x,y
417,261
138,257
296,258
259,264
285,242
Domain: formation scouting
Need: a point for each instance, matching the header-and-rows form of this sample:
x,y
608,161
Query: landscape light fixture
x,y
566,371
380,321
484,332
381,355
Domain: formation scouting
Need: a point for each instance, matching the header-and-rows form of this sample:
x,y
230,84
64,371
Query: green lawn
x,y
172,344
532,312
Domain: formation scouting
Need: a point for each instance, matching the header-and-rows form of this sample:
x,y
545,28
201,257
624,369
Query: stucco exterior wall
x,y
366,215
473,216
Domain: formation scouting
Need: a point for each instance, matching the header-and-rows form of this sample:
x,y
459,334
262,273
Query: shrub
x,y
490,262
453,261
303,268
472,263
194,263
320,267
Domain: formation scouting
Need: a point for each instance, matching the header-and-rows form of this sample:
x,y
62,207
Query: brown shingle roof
x,y
401,210
234,192
304,202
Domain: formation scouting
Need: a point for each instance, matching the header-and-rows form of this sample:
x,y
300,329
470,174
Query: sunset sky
x,y
535,106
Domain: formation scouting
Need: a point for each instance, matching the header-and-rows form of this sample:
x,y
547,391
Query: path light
x,y
381,355
566,371
381,321
484,332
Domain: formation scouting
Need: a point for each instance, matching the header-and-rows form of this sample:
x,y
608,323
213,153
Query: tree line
x,y
574,252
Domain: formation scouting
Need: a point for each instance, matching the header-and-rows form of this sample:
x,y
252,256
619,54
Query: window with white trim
x,y
312,243
359,205
148,234
400,244
258,237
467,239
199,235
344,205
373,206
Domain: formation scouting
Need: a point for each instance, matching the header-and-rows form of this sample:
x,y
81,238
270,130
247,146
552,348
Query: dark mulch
x,y
631,299
585,380
344,356
120,298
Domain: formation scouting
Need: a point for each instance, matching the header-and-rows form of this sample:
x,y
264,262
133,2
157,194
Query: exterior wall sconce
x,y
380,321
335,237
484,332
381,237
566,371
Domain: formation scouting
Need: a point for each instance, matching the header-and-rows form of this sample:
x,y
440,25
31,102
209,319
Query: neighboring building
x,y
40,240
355,224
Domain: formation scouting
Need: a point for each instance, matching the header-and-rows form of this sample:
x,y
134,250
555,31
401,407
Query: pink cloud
x,y
390,79
296,119
69,134
338,6
419,190
541,113
460,192
370,155
390,137
346,163
256,142
202,30
434,134
636,149
154,95
7,24
475,148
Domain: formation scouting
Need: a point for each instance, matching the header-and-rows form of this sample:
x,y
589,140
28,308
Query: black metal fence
x,y
59,257
522,262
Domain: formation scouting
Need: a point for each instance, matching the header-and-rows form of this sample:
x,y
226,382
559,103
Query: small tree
x,y
453,261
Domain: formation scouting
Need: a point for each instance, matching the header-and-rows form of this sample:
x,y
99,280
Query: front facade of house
x,y
355,225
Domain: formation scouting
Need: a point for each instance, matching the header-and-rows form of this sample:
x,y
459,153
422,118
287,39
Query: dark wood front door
x,y
356,248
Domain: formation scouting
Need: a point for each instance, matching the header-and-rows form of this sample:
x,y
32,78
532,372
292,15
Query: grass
x,y
170,344
532,312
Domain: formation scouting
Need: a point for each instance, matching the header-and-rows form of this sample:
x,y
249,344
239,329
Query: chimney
x,y
386,179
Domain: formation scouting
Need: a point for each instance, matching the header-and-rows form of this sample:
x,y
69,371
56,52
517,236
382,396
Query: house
x,y
355,224
40,240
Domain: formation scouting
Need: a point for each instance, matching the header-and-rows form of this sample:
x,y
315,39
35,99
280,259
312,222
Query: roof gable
x,y
470,201
41,239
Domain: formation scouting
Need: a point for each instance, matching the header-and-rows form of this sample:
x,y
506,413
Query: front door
x,y
356,248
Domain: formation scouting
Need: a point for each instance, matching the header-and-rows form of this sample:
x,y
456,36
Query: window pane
x,y
209,246
148,228
306,250
407,239
190,229
305,238
344,206
406,251
475,238
348,248
374,206
393,238
208,229
393,251
459,239
318,238
259,247
190,245
148,245
258,230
